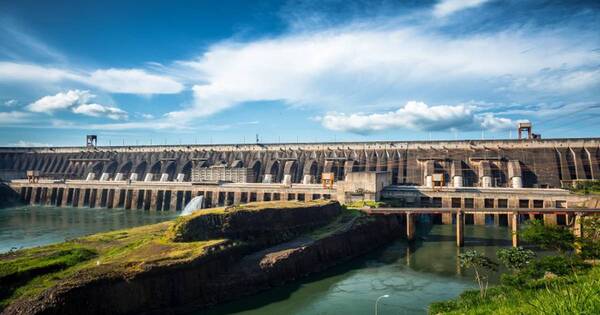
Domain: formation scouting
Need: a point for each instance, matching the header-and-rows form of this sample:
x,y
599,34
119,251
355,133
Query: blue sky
x,y
222,72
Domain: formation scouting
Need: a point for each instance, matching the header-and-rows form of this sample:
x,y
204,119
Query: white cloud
x,y
13,117
62,100
448,7
352,67
11,103
418,116
10,71
133,81
97,110
78,102
28,144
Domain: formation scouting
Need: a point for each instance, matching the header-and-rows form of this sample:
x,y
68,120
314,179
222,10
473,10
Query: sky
x,y
201,72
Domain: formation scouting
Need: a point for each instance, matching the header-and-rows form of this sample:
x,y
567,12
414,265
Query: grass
x,y
345,219
260,206
365,203
122,253
587,187
117,253
576,293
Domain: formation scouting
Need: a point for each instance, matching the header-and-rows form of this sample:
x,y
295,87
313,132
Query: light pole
x,y
377,301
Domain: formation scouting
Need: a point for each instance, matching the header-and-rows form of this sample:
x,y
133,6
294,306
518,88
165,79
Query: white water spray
x,y
192,206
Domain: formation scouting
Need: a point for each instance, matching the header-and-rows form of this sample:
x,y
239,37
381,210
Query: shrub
x,y
557,238
515,258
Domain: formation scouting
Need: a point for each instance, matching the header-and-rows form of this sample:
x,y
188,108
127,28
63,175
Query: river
x,y
412,275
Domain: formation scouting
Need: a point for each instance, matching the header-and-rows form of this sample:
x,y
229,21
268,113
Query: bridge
x,y
515,215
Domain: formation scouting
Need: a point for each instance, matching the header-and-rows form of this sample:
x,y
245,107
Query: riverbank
x,y
577,293
144,269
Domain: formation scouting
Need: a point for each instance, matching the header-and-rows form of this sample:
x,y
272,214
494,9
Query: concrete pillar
x,y
115,198
410,226
149,177
133,177
153,198
479,218
268,179
514,220
429,181
496,219
308,197
578,231
457,181
307,179
173,203
447,218
237,197
260,196
486,181
180,177
164,177
215,198
550,219
98,203
118,177
90,176
65,196
460,229
104,177
81,201
287,179
517,182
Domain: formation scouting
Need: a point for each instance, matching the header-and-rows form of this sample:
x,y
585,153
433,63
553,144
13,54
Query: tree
x,y
548,237
479,263
515,258
589,242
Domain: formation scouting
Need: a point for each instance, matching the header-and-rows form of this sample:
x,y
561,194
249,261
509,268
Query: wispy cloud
x,y
13,117
132,81
447,7
368,65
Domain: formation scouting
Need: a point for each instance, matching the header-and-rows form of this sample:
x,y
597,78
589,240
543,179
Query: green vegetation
x,y
125,253
479,263
365,204
557,238
587,187
559,284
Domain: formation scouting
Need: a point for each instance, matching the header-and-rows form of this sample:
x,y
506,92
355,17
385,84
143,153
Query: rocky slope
x,y
229,269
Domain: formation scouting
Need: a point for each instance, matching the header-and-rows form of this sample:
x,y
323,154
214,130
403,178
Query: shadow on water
x,y
413,274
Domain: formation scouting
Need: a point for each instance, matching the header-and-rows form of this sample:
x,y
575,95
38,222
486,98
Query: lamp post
x,y
377,301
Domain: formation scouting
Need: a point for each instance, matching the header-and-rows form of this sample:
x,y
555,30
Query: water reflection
x,y
413,275
23,227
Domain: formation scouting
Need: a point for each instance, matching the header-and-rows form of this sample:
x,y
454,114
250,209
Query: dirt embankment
x,y
226,274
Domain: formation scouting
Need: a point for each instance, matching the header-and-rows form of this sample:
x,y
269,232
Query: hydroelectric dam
x,y
484,180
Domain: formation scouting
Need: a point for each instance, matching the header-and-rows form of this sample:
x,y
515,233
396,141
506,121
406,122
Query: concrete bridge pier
x,y
550,219
410,226
446,218
460,229
514,219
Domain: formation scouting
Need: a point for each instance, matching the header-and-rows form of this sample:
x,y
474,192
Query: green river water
x,y
412,275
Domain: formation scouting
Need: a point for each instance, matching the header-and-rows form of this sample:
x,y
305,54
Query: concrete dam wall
x,y
485,163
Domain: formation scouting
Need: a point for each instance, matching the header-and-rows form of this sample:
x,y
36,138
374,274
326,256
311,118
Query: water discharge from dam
x,y
192,206
413,276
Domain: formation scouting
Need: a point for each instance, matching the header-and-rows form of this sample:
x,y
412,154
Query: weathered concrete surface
x,y
497,162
